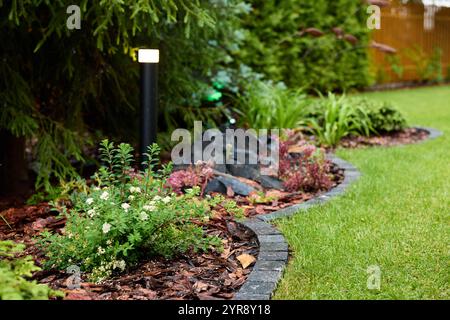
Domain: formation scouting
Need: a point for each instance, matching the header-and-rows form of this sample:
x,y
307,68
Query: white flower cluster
x,y
143,216
135,190
92,213
149,207
104,195
106,228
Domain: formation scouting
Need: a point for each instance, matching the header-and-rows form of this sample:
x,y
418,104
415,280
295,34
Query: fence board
x,y
403,27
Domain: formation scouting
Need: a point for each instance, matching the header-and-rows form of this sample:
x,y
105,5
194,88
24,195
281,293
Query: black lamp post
x,y
149,59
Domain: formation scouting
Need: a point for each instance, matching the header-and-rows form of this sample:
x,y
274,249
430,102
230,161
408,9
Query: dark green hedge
x,y
276,46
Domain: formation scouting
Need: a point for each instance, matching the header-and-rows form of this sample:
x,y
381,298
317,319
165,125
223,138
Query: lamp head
x,y
148,56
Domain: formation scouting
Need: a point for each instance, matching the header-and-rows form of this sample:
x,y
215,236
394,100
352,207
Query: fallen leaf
x,y
246,260
296,149
200,286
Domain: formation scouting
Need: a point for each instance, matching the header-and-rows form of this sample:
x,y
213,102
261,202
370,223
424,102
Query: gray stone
x,y
273,256
264,276
273,246
261,228
237,186
215,185
271,182
244,171
270,265
271,238
259,288
243,296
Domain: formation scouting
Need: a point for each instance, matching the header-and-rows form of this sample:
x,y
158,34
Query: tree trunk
x,y
13,166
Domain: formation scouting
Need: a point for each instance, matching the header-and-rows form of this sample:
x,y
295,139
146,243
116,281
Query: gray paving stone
x,y
273,256
259,288
252,297
270,265
273,246
271,238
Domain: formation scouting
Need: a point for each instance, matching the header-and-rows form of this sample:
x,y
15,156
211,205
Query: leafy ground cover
x,y
395,217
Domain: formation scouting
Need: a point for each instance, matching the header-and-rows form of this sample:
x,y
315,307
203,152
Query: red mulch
x,y
407,136
210,275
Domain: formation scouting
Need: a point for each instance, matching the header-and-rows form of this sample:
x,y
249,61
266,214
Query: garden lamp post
x,y
149,59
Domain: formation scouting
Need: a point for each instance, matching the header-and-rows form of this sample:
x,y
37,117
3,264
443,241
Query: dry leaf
x,y
200,286
246,260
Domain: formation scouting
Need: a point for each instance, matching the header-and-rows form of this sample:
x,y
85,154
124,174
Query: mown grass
x,y
397,216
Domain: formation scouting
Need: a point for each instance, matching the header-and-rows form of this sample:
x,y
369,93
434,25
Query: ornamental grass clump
x,y
129,215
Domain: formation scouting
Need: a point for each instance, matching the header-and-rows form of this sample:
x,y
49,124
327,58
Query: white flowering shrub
x,y
128,215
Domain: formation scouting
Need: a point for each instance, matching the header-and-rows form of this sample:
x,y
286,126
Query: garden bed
x,y
210,275
402,137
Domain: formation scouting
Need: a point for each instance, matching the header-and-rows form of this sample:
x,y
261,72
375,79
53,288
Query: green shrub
x,y
92,89
276,46
127,216
13,274
266,106
383,116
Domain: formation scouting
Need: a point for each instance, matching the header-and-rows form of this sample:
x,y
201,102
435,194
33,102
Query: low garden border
x,y
273,248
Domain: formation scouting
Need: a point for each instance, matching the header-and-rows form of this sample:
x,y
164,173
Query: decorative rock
x,y
237,186
271,182
215,186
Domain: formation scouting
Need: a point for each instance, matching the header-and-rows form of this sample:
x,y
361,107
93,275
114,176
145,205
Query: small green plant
x,y
395,64
382,115
428,68
267,106
14,273
335,118
129,215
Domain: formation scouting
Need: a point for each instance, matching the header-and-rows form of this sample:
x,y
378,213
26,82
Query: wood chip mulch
x,y
407,136
210,275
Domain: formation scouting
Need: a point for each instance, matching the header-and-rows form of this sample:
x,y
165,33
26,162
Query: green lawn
x,y
397,216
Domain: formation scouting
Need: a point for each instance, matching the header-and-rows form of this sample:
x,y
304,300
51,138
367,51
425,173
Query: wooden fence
x,y
418,34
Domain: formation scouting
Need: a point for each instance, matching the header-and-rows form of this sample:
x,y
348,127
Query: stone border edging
x,y
433,133
273,248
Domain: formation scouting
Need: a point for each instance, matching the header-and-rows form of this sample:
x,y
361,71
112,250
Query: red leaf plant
x,y
194,176
305,169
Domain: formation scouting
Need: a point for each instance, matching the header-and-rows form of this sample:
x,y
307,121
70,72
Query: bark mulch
x,y
407,136
210,275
